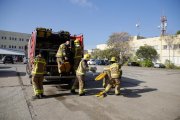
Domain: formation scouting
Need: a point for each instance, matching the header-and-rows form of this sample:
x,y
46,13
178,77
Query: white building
x,y
13,40
168,48
102,46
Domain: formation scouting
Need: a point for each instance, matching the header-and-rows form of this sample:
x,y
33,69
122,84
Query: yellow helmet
x,y
76,42
113,59
87,56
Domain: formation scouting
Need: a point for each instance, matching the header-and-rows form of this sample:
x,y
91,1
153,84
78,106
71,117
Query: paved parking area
x,y
147,94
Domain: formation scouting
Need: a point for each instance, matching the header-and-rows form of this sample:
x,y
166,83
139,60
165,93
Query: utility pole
x,y
163,28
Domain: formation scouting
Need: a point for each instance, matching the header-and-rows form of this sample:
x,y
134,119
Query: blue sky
x,y
96,19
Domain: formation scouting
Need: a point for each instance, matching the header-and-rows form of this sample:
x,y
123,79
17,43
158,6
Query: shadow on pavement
x,y
11,73
132,93
5,67
93,87
58,96
129,82
127,90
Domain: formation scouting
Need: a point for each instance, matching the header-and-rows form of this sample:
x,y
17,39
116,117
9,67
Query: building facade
x,y
13,40
102,46
168,47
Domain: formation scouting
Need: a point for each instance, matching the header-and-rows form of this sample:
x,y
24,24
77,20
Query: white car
x,y
91,62
25,60
159,65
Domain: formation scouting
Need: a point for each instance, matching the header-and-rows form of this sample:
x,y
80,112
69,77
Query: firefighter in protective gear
x,y
80,75
77,54
61,55
115,75
38,71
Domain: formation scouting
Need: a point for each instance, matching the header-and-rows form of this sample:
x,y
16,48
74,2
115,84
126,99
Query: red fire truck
x,y
47,41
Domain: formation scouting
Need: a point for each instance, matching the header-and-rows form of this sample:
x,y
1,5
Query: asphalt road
x,y
147,94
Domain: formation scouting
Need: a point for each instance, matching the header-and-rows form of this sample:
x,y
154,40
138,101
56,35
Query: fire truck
x,y
47,41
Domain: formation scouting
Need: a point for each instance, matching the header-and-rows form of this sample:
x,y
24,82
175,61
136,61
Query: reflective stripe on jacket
x,y
82,68
61,51
39,66
115,69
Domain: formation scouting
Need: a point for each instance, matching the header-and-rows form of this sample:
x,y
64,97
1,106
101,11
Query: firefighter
x,y
80,75
115,75
39,68
77,54
62,55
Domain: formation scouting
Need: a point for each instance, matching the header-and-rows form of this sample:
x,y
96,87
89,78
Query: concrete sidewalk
x,y
13,102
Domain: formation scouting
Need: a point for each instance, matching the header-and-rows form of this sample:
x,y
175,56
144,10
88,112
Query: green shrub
x,y
146,63
133,59
177,67
169,64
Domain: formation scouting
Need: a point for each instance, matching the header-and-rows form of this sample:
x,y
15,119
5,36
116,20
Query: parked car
x,y
133,64
100,62
91,62
25,60
107,62
7,59
159,65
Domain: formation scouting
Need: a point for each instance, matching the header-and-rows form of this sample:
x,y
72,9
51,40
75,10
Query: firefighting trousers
x,y
79,79
37,82
59,61
106,79
116,82
76,63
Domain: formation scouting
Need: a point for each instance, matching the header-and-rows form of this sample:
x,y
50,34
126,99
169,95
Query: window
x,y
27,40
2,37
14,46
14,38
9,46
19,39
4,46
175,46
22,39
10,38
19,47
165,47
1,46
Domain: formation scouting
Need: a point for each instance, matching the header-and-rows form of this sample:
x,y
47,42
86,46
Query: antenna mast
x,y
138,27
163,25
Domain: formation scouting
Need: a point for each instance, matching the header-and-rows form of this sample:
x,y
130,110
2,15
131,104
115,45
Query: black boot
x,y
73,91
41,96
117,94
82,94
35,97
